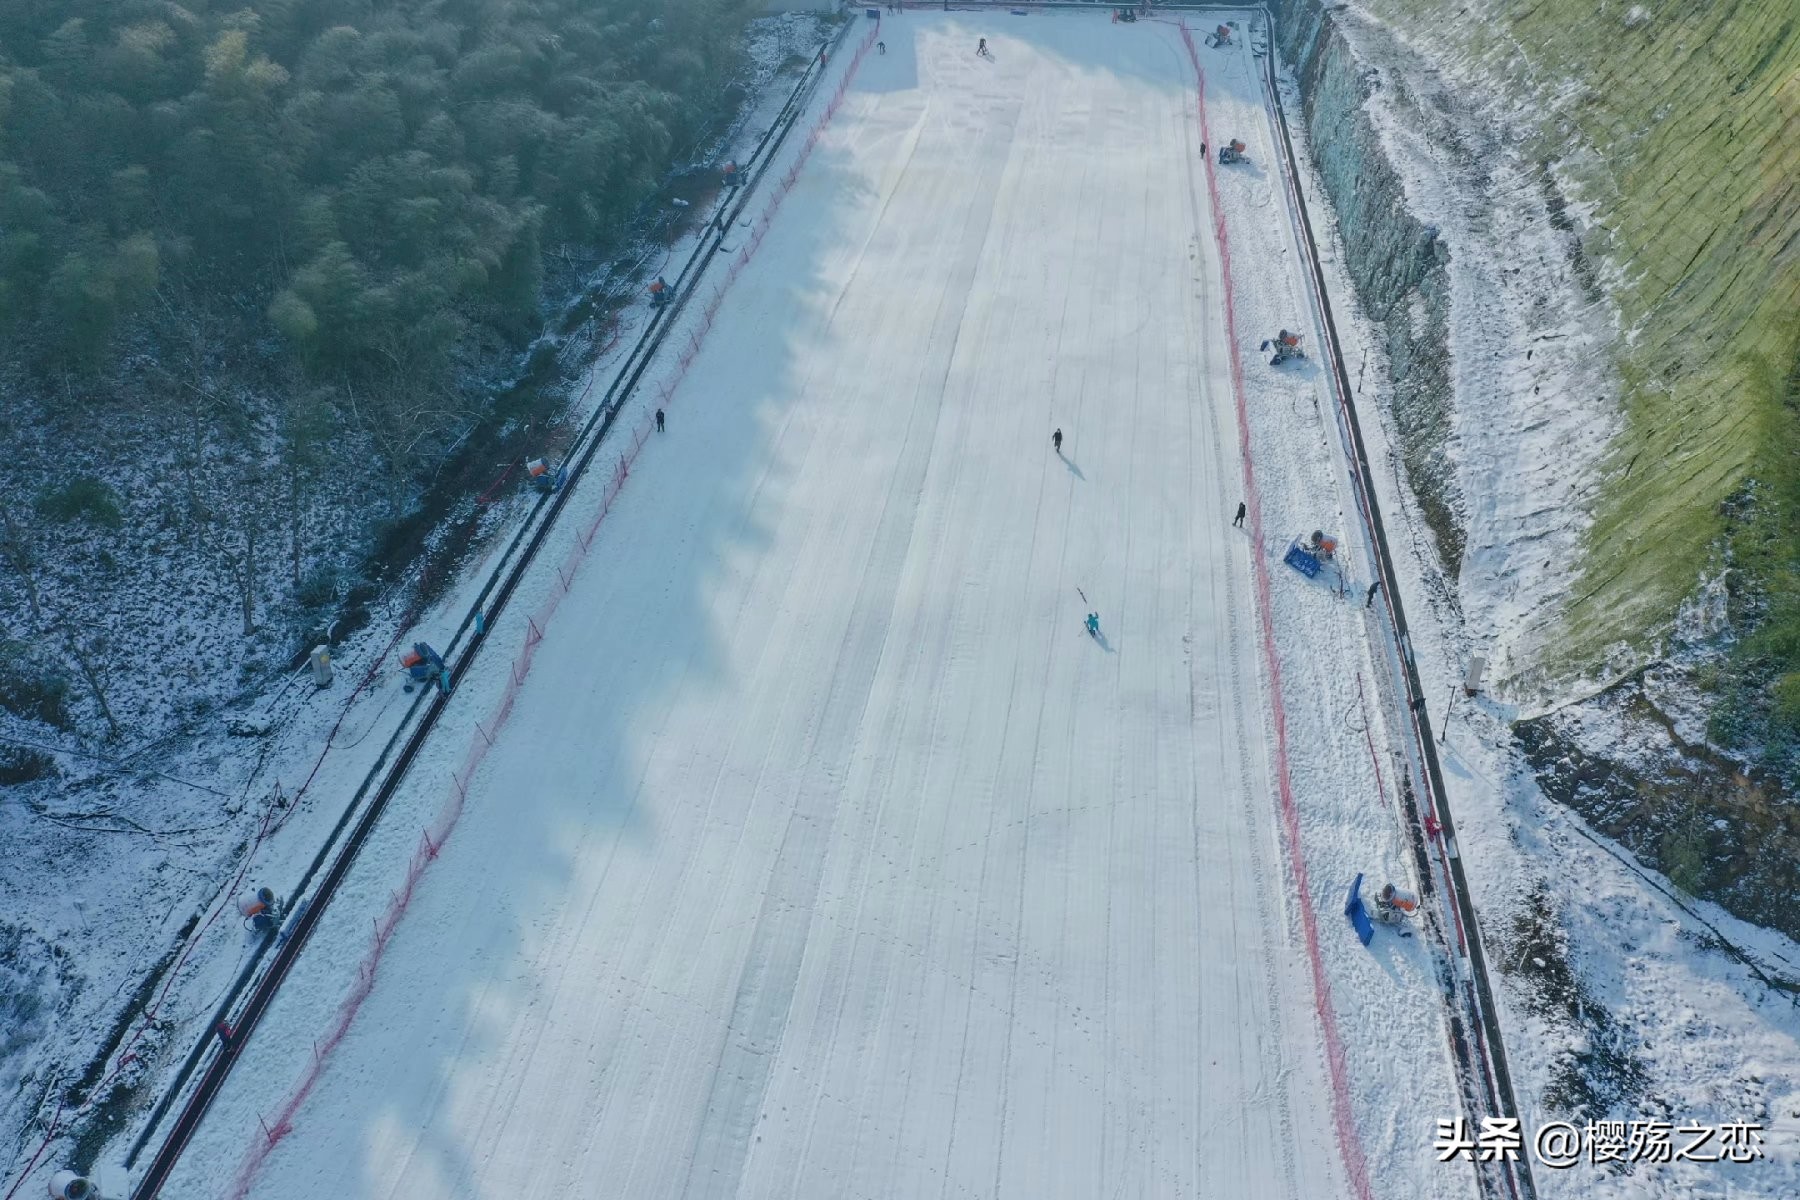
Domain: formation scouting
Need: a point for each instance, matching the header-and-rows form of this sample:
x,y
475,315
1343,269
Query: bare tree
x,y
20,555
244,567
294,521
93,681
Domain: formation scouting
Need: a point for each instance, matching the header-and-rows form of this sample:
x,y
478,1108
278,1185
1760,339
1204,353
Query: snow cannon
x,y
1127,15
1309,557
539,475
660,293
1221,37
67,1185
1286,345
1232,152
1394,904
731,176
422,662
261,909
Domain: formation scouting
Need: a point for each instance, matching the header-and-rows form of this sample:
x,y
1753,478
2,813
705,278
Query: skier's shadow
x,y
1104,644
1070,463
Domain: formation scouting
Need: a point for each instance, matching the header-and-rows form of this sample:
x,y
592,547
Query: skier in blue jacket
x,y
1093,625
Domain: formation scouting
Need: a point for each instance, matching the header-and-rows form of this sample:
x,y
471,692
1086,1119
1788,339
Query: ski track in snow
x,y
824,854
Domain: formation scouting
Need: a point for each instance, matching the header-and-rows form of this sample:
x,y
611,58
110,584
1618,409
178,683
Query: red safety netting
x,y
1349,1144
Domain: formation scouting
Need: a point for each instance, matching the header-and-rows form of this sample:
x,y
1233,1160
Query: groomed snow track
x,y
821,933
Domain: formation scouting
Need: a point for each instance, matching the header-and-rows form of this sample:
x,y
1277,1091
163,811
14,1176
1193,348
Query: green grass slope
x,y
1679,123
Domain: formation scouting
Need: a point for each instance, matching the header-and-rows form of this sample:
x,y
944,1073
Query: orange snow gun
x,y
260,909
732,176
660,294
423,663
1393,904
1232,152
1286,346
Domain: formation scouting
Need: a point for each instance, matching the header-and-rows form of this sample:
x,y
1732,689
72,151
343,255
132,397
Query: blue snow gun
x,y
1358,913
424,664
545,480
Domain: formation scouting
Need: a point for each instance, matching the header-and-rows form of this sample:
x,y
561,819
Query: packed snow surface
x,y
824,852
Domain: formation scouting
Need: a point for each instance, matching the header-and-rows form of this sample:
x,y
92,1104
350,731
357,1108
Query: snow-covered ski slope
x,y
824,854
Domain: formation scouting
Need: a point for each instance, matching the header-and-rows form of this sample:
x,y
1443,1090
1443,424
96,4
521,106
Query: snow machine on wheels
x,y
1220,38
261,909
1312,555
423,666
1286,345
67,1185
544,480
1232,152
1391,907
660,293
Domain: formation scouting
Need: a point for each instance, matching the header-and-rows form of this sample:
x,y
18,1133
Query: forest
x,y
374,177
260,261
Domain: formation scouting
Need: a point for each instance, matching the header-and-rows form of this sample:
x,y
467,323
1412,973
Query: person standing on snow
x,y
1237,522
981,50
1093,625
659,420
1056,440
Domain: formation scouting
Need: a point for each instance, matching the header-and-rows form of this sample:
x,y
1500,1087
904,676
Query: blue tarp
x,y
1359,916
1301,561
